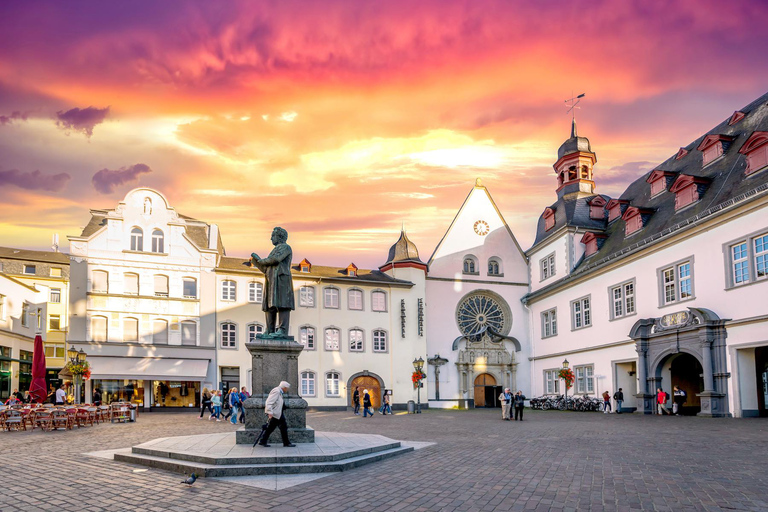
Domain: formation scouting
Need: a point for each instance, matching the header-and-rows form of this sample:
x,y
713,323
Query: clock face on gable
x,y
482,228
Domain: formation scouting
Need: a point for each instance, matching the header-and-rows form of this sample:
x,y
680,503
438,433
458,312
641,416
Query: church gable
x,y
479,233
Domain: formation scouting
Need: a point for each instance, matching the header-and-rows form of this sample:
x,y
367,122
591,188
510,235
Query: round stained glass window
x,y
480,310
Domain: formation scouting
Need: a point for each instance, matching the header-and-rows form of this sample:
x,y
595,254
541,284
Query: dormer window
x,y
659,180
305,266
681,153
756,149
549,219
352,270
597,208
713,146
592,242
634,219
688,189
615,208
736,117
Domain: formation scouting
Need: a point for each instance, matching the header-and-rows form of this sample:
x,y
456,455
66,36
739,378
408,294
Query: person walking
x,y
216,404
243,397
661,400
96,397
61,396
274,407
205,403
506,404
387,404
356,400
234,404
519,400
367,404
679,398
606,403
619,397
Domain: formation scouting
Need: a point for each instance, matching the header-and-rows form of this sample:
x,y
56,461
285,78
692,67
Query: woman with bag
x,y
216,403
234,404
205,402
367,410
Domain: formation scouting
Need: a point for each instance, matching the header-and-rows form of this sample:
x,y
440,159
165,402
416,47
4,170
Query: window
x,y
551,382
54,322
355,340
585,382
597,208
547,266
100,281
355,300
228,290
55,295
307,296
756,149
130,329
131,284
158,241
228,335
307,384
54,350
307,337
2,307
332,384
740,263
761,257
581,313
379,301
25,314
331,339
676,282
379,340
255,292
469,266
99,328
161,286
189,333
494,267
549,219
711,153
55,272
190,288
160,332
29,269
623,300
549,323
39,319
748,260
331,298
253,330
137,239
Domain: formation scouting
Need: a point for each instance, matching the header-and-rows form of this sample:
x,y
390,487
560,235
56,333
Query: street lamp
x,y
418,365
565,367
77,357
81,356
72,354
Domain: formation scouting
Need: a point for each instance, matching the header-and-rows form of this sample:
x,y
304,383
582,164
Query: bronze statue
x,y
278,293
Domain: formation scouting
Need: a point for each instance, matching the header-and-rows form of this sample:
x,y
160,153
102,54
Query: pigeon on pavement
x,y
189,481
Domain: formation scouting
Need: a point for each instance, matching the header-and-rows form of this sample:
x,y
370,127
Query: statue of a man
x,y
278,293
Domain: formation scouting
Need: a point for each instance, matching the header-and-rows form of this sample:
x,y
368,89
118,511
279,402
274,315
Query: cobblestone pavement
x,y
552,461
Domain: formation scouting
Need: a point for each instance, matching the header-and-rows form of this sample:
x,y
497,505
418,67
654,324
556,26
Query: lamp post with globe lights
x,y
418,366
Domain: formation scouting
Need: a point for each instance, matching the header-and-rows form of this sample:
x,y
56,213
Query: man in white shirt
x,y
274,407
61,396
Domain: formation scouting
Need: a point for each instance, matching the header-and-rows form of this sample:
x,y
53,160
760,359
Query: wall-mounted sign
x,y
675,319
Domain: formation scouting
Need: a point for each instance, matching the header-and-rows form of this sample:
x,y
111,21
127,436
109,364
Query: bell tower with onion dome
x,y
575,160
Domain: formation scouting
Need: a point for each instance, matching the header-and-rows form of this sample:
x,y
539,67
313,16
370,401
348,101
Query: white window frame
x,y
373,301
228,290
359,343
494,263
751,262
158,241
128,275
254,329
55,296
25,314
622,296
228,335
673,279
551,382
581,313
547,267
166,284
380,336
327,339
469,266
157,337
255,292
99,272
51,319
91,329
331,297
308,337
333,384
549,323
184,290
584,383
308,383
2,307
183,338
358,293
307,296
137,239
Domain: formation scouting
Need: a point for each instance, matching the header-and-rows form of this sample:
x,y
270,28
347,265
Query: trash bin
x,y
133,414
411,407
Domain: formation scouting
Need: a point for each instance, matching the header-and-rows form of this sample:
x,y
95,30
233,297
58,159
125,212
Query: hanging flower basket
x,y
567,375
416,377
82,370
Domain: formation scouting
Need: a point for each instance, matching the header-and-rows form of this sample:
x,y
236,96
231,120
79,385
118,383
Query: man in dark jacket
x,y
519,405
619,397
356,400
367,404
679,397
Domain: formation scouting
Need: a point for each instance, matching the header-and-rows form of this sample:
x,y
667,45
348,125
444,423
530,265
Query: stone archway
x,y
365,380
698,333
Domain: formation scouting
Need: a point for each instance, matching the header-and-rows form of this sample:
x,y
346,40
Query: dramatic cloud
x,y
34,180
105,181
81,119
15,116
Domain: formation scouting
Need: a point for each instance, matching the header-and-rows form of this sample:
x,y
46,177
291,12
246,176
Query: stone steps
x,y
247,466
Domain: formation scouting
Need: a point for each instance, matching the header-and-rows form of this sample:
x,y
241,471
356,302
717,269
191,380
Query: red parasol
x,y
38,390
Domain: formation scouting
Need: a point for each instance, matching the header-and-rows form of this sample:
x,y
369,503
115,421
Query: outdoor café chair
x,y
93,413
71,416
14,420
119,412
83,418
43,419
29,417
60,419
104,413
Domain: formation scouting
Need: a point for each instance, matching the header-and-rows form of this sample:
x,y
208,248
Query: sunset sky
x,y
341,121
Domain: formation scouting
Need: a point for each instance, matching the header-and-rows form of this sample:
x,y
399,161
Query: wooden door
x,y
481,381
369,383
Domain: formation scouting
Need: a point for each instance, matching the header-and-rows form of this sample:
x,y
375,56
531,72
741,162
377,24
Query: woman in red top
x,y
661,400
606,402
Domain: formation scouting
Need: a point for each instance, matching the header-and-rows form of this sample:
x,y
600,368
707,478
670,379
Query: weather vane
x,y
573,102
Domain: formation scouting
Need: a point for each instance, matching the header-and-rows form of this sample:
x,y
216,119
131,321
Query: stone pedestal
x,y
274,360
712,405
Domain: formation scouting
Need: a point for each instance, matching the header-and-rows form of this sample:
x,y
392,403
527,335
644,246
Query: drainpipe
x,y
533,349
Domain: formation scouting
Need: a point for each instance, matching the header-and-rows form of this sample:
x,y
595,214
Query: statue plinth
x,y
274,359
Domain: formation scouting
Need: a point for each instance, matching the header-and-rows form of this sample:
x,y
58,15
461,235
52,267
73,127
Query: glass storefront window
x,y
175,393
5,373
25,370
120,390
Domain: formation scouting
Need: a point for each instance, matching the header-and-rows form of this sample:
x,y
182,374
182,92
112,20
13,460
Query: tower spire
x,y
573,128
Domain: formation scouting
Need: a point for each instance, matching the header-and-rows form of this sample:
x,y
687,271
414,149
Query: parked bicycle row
x,y
571,403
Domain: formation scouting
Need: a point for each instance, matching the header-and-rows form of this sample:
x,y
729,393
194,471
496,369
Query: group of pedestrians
x,y
509,401
386,403
234,399
678,399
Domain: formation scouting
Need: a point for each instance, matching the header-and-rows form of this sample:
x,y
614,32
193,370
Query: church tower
x,y
575,161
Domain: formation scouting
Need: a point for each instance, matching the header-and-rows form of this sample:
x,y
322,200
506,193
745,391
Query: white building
x,y
359,327
142,301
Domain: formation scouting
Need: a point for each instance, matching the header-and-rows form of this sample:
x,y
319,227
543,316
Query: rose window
x,y
479,311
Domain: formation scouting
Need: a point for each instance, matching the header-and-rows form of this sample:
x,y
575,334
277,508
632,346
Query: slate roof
x,y
570,210
728,186
29,255
403,250
318,271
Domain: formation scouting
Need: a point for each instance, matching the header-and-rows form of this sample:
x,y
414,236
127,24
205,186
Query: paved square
x,y
551,461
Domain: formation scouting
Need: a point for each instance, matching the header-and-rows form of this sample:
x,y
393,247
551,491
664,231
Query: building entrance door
x,y
371,384
686,374
486,391
761,365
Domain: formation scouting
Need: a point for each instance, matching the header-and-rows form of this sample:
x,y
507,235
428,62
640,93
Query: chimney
x,y
213,236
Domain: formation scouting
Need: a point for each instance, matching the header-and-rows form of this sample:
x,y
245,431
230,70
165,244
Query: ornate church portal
x,y
484,363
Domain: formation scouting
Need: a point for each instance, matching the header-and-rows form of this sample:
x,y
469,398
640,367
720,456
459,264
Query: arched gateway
x,y
676,349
